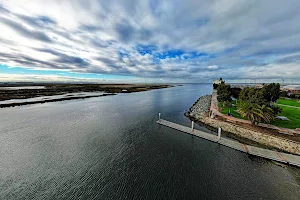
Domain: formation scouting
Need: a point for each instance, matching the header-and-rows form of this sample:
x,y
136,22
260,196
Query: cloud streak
x,y
184,41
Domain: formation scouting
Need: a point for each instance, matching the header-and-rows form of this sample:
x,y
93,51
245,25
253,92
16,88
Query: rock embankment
x,y
199,113
200,108
255,136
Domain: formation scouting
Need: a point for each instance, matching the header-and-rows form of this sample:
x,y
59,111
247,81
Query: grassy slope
x,y
290,102
291,113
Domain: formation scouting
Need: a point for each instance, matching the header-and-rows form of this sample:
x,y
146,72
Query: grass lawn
x,y
290,102
226,110
291,113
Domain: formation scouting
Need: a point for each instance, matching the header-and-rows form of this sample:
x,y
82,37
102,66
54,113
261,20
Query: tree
x,y
255,113
262,96
224,93
252,95
271,92
268,114
235,92
283,93
276,109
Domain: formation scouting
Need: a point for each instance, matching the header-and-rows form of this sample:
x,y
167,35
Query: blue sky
x,y
149,40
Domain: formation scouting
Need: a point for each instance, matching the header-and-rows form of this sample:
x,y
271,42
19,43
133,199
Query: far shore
x,y
50,100
18,91
50,89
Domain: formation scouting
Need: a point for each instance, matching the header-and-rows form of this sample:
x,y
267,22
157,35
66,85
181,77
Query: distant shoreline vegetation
x,y
61,89
50,100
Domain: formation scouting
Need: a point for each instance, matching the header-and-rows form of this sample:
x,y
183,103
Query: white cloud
x,y
213,67
192,39
45,78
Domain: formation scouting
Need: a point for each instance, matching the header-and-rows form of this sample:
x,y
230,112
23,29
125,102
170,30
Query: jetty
x,y
251,150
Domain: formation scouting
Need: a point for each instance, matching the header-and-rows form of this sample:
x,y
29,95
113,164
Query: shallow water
x,y
111,148
23,87
41,98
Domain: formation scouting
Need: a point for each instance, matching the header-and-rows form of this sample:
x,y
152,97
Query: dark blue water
x,y
111,148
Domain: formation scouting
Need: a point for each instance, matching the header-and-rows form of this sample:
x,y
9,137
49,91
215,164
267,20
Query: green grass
x,y
226,110
293,115
290,102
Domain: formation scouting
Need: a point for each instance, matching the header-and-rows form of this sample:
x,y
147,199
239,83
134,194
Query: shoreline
x,y
50,90
199,113
60,89
50,100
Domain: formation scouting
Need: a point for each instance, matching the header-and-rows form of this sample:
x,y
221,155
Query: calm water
x,y
74,94
111,148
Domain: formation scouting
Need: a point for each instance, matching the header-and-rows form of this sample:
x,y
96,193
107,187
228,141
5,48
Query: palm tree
x,y
268,114
255,113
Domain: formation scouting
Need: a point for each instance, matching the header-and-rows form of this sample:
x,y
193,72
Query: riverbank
x,y
24,94
199,112
6,105
60,89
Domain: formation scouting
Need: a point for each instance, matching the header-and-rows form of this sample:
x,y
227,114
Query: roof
x,y
291,87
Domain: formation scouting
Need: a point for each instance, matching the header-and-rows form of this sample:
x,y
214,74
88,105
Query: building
x,y
217,83
291,88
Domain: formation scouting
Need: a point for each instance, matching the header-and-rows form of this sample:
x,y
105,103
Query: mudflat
x,y
59,89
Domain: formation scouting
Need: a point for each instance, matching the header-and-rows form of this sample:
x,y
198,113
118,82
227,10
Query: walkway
x,y
288,106
261,152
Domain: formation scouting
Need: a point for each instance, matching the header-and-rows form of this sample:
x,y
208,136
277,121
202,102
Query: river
x,y
111,148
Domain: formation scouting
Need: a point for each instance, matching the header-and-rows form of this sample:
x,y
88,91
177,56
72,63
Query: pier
x,y
251,150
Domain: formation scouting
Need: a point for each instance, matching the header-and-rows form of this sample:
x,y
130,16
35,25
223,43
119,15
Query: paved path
x,y
261,152
287,105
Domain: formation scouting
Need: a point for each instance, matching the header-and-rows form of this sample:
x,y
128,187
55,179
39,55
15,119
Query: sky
x,y
137,41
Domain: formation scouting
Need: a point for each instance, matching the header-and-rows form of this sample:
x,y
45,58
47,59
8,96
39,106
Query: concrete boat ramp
x,y
256,151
